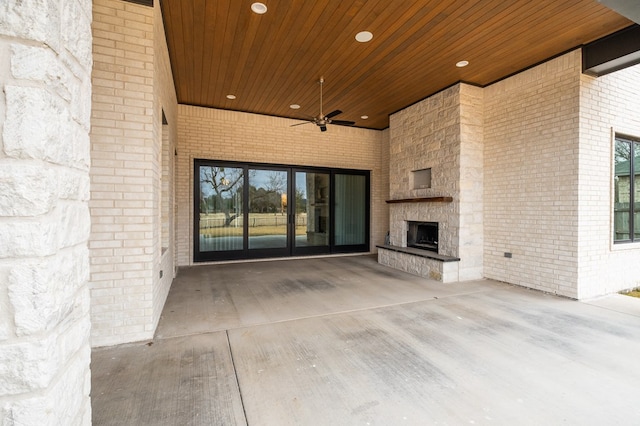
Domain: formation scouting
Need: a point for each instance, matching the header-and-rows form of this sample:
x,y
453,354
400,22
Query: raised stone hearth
x,y
423,263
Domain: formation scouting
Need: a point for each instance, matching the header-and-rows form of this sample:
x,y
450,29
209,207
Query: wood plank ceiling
x,y
270,61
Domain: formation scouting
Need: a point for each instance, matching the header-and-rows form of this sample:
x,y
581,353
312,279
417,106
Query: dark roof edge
x,y
141,2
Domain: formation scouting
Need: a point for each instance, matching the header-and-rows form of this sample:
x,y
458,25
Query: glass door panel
x,y
350,210
220,213
268,214
312,212
635,223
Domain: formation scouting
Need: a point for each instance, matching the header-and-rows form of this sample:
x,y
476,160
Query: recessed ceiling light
x,y
294,106
364,117
231,96
259,8
462,64
364,36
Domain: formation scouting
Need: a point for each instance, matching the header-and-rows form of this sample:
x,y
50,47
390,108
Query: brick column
x,y
124,243
45,66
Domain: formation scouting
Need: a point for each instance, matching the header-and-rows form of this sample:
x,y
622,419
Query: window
x,y
626,196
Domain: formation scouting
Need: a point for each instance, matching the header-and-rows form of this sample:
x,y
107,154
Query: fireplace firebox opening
x,y
423,235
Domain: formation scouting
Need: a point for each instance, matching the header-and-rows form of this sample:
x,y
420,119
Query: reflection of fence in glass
x,y
218,220
621,221
220,243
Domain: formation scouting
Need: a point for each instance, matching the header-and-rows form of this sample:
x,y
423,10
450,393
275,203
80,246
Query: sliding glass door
x,y
350,212
219,195
268,215
312,212
244,211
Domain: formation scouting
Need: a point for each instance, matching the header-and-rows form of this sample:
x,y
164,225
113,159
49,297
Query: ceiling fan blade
x,y
333,113
300,124
343,122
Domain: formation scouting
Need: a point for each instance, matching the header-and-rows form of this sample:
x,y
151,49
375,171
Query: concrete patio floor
x,y
345,341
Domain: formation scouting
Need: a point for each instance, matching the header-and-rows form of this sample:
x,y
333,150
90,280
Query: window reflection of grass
x,y
254,231
632,293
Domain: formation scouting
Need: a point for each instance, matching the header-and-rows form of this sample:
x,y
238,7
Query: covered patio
x,y
346,341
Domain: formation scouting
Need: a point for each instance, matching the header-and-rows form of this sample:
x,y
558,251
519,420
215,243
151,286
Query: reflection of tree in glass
x,y
622,151
268,198
301,200
218,185
277,182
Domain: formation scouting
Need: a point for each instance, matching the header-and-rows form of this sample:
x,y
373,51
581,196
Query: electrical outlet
x,y
507,255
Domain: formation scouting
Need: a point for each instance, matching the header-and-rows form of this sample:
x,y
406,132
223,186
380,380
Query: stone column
x,y
45,102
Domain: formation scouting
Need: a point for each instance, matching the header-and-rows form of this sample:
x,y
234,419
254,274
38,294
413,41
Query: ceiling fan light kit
x,y
322,120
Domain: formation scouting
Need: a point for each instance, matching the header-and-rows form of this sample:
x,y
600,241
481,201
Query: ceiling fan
x,y
322,120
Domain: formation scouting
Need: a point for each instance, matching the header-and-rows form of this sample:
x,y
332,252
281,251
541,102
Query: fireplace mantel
x,y
422,200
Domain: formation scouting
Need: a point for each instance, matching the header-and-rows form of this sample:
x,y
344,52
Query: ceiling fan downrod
x,y
321,116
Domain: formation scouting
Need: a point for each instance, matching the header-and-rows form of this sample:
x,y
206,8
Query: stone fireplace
x,y
442,134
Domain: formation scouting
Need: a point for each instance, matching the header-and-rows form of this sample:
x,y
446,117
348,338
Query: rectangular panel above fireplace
x,y
423,235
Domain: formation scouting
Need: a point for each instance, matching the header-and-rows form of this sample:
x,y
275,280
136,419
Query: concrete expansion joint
x,y
237,381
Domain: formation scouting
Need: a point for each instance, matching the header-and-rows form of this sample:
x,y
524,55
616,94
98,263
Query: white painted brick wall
x,y
44,216
608,104
132,84
531,177
548,178
165,95
233,136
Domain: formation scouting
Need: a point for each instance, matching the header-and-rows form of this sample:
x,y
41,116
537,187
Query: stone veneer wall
x,y
234,136
45,106
444,133
471,203
132,86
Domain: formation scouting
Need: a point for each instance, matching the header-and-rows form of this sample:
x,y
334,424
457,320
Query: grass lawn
x,y
632,293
